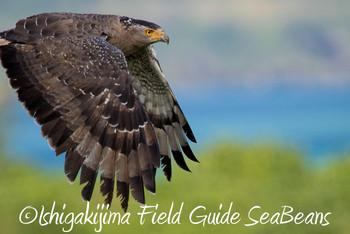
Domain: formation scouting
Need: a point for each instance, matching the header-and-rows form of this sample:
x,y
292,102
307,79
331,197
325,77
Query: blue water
x,y
315,121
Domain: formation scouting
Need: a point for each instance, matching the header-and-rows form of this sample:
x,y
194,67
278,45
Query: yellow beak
x,y
160,36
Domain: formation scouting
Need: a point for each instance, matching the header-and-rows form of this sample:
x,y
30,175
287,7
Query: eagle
x,y
94,85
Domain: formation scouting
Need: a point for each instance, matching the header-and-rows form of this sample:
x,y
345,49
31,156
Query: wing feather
x,y
90,112
162,108
80,89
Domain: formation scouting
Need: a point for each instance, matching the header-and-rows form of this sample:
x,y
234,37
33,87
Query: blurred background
x,y
265,86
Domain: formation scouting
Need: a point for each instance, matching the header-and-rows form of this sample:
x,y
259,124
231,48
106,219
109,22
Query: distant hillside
x,y
262,175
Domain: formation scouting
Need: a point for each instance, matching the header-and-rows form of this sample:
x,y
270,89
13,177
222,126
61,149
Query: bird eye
x,y
149,32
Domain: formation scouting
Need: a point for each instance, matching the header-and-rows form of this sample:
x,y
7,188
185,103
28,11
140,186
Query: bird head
x,y
143,32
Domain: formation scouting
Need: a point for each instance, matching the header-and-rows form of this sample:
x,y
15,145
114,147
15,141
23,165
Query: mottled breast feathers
x,y
109,113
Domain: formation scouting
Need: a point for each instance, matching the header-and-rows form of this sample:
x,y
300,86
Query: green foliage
x,y
260,175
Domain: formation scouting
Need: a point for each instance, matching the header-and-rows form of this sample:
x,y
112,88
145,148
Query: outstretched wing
x,y
78,88
162,108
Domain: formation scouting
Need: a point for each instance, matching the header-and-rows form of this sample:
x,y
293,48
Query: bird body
x,y
94,84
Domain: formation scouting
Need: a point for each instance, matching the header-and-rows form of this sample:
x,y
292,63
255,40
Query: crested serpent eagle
x,y
95,86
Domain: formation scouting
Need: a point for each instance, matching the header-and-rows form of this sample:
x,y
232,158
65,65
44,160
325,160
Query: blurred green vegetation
x,y
262,175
